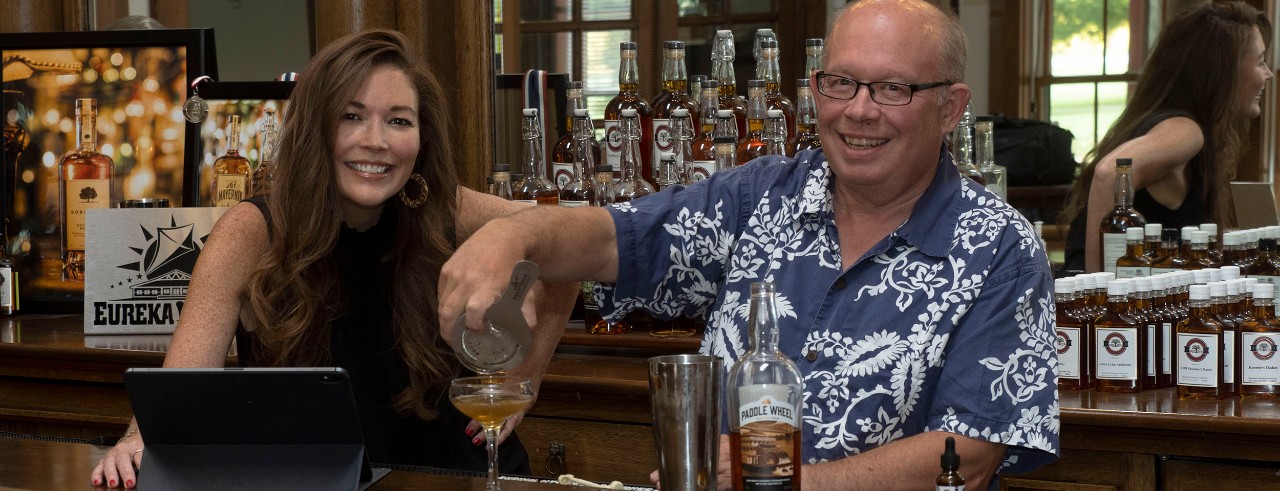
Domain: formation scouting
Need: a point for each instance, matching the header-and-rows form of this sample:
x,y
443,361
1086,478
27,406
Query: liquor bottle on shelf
x,y
267,153
812,56
84,183
628,98
502,181
1215,245
1162,302
595,324
726,140
704,146
1151,243
775,133
232,174
1220,307
764,396
1259,338
534,188
1142,306
1233,249
1171,252
1119,218
696,83
1074,367
722,56
806,120
950,479
580,189
1120,342
1199,349
1266,268
682,154
10,300
1134,262
672,97
752,145
1200,257
667,174
767,69
563,153
984,149
631,186
962,148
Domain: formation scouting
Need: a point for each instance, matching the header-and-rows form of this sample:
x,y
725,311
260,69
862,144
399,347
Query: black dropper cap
x,y
950,459
1124,162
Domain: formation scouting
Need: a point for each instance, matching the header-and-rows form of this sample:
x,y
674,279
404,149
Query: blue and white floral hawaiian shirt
x,y
945,324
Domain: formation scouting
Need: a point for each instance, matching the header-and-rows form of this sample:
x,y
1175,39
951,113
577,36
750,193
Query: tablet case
x,y
248,428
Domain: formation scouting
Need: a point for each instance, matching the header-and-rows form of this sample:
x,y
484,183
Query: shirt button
x,y
840,284
811,355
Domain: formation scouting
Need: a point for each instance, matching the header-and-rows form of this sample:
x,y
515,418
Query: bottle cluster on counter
x,y
1210,332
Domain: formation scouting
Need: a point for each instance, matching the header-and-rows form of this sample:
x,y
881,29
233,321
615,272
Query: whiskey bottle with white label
x,y
1119,218
84,183
232,175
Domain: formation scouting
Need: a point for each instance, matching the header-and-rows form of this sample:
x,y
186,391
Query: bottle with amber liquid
x,y
1233,250
806,120
628,98
1220,306
563,152
1259,339
673,97
1171,252
1120,344
502,181
595,324
267,153
631,186
1215,245
767,69
722,56
775,133
696,83
232,174
1151,243
1199,349
533,187
752,144
950,479
1200,257
1072,337
1119,218
84,183
962,147
764,392
580,189
9,298
1162,303
703,147
1266,268
726,140
1134,262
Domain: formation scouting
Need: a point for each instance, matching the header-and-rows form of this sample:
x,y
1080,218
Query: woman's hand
x,y
119,467
476,431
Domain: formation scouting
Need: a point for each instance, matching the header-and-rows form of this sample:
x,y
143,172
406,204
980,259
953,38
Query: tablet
x,y
248,428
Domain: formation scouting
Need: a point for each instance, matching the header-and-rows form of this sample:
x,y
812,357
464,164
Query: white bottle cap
x,y
1141,284
679,113
1185,278
1117,288
1186,232
1264,290
1160,282
1209,228
1153,229
1230,239
1217,289
1064,285
529,111
579,113
1233,287
1199,292
1230,272
1133,233
1199,237
1215,274
724,113
1248,285
628,113
773,113
1106,277
1200,277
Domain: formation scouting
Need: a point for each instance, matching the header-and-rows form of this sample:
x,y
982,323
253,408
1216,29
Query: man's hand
x,y
476,276
724,468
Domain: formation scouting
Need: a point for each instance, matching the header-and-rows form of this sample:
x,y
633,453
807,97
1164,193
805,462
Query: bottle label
x,y
1117,353
950,488
1198,360
1270,280
573,204
1113,246
83,195
701,169
1260,365
1132,271
530,201
588,295
1152,353
561,173
6,288
1228,357
230,189
1166,361
1068,344
663,139
613,144
1156,271
766,403
768,438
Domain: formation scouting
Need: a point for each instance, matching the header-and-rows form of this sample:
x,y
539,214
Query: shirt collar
x,y
936,212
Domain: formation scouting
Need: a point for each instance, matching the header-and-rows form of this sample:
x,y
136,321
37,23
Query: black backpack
x,y
1035,153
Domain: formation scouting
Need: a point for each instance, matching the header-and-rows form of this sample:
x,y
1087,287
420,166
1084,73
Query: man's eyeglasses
x,y
886,93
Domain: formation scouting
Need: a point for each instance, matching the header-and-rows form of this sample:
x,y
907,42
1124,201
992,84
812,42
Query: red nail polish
x,y
128,484
470,431
111,483
95,482
475,441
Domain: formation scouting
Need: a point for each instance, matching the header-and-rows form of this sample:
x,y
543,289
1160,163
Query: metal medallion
x,y
195,109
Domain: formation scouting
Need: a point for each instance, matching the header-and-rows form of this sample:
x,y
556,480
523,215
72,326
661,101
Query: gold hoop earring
x,y
422,195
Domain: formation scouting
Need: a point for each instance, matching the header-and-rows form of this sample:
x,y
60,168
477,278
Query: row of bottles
x,y
1152,249
1209,332
972,145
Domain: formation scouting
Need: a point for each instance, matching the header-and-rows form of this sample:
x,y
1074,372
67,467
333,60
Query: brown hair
x,y
295,292
1187,72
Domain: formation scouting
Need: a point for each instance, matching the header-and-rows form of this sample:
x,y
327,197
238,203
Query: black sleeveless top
x,y
1190,213
363,343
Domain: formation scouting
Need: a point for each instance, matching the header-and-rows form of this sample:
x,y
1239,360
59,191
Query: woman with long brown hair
x,y
339,266
1184,128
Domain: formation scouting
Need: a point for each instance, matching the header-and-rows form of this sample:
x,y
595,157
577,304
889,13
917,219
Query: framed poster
x,y
139,81
256,104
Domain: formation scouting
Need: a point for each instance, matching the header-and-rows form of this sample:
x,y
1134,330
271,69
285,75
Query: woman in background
x,y
1184,128
339,266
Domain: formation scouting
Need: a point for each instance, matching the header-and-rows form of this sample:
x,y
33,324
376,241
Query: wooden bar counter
x,y
593,415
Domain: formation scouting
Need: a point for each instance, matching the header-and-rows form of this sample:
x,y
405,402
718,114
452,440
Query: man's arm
x,y
909,463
